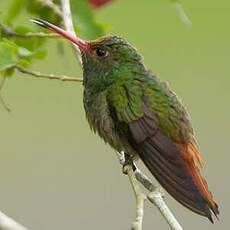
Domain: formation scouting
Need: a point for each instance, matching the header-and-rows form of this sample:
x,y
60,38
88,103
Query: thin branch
x,y
53,6
47,76
155,196
1,99
145,181
9,31
140,198
7,223
4,106
2,83
68,23
41,35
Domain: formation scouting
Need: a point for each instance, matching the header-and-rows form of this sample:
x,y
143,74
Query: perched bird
x,y
136,112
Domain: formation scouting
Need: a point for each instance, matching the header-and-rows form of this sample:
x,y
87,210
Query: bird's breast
x,y
100,119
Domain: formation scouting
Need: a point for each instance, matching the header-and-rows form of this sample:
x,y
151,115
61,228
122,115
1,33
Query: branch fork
x,y
155,196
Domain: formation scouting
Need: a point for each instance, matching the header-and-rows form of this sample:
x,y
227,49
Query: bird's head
x,y
106,59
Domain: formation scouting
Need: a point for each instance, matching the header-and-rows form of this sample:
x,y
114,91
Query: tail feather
x,y
178,184
191,155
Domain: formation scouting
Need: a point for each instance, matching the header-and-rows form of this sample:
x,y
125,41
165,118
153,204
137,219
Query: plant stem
x,y
47,76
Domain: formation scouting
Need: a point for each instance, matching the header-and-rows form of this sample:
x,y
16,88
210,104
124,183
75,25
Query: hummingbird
x,y
135,111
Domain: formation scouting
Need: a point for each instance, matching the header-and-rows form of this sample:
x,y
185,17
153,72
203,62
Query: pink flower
x,y
98,3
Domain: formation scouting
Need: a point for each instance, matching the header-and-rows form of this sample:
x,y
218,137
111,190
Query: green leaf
x,y
7,56
23,52
85,22
29,43
9,72
26,56
42,11
11,44
15,8
23,63
41,55
29,56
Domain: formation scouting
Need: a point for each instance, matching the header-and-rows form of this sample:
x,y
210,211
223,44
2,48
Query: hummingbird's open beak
x,y
79,42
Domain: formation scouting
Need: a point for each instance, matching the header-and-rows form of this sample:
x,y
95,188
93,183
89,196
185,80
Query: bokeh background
x,y
56,174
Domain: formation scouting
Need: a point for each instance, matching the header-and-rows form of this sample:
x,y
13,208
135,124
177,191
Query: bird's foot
x,y
128,161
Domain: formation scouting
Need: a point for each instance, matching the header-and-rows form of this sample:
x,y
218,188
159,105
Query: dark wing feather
x,y
163,158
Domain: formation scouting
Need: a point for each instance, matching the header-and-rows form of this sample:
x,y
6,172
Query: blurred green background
x,y
56,174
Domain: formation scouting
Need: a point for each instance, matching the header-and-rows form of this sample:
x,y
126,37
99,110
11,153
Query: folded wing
x,y
166,162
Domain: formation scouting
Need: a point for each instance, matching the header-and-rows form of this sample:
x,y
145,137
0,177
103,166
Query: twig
x,y
155,196
2,82
145,181
53,6
47,76
4,106
1,99
7,223
40,35
140,198
67,18
9,31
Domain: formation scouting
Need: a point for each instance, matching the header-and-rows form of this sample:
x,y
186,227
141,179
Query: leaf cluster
x,y
16,48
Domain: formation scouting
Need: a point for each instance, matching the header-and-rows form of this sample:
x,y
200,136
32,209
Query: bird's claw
x,y
128,161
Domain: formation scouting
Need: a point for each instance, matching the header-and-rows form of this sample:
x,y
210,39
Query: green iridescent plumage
x,y
136,112
124,80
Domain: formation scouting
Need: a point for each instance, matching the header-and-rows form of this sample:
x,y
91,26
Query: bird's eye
x,y
101,52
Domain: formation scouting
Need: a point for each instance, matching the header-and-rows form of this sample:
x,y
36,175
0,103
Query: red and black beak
x,y
79,42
